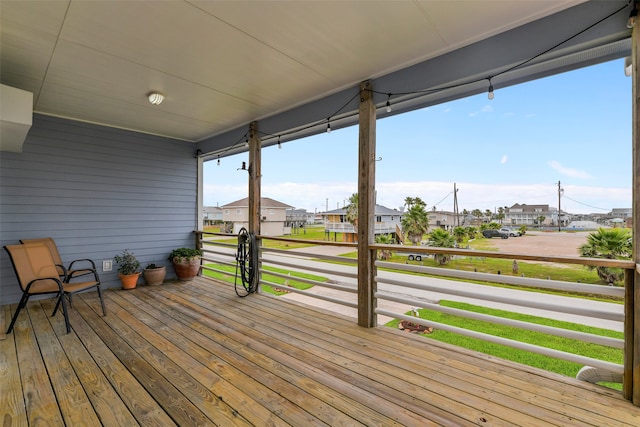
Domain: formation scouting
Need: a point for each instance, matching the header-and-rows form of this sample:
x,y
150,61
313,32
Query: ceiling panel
x,y
222,64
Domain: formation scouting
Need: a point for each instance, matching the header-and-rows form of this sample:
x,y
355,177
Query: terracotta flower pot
x,y
154,276
129,281
186,268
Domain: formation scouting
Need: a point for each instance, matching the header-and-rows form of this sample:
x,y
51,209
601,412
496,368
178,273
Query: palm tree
x,y
609,243
415,222
384,239
442,239
472,232
352,211
459,233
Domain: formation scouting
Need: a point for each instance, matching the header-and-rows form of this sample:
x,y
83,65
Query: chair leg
x,y
104,310
66,315
55,310
21,305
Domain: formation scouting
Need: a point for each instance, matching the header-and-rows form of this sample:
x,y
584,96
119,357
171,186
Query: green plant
x,y
614,243
152,266
184,253
127,261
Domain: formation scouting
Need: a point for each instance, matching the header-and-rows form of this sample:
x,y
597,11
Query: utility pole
x,y
456,217
559,193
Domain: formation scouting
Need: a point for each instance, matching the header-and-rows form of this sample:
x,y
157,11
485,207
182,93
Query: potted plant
x,y
154,274
128,270
186,262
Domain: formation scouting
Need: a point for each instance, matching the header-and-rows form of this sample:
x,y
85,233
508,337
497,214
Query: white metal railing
x,y
343,280
407,287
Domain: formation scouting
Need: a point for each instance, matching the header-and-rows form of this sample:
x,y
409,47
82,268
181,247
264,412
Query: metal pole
x,y
559,191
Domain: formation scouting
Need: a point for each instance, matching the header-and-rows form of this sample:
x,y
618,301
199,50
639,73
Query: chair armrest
x,y
93,265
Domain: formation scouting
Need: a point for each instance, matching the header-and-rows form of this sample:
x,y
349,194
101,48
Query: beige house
x,y
273,215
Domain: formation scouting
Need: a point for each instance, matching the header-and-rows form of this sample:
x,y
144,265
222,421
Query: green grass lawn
x,y
266,276
531,359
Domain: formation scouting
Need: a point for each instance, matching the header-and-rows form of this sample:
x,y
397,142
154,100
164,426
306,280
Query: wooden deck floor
x,y
196,354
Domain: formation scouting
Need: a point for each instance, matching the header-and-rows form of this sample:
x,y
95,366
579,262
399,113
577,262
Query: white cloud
x,y
504,159
573,173
485,109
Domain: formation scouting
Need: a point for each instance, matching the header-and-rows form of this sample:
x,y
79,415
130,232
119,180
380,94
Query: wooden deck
x,y
196,354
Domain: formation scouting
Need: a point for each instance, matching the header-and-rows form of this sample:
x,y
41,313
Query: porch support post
x,y
366,206
255,173
632,308
199,220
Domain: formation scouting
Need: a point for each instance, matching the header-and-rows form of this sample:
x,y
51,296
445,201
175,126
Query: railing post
x,y
629,335
255,174
631,388
366,206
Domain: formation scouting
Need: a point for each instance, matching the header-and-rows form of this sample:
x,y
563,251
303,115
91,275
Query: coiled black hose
x,y
246,263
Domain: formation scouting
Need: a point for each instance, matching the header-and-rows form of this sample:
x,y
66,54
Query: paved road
x,y
442,287
440,290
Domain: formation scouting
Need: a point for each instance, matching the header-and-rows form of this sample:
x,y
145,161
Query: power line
x,y
585,204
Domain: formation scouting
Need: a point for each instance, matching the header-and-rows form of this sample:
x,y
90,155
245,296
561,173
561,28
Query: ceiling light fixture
x,y
490,89
155,98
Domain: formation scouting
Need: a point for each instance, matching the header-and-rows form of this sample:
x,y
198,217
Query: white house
x,y
273,215
387,221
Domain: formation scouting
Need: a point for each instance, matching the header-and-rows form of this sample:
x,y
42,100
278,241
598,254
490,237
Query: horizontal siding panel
x,y
97,191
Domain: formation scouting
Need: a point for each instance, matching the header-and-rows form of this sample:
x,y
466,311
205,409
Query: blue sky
x,y
574,128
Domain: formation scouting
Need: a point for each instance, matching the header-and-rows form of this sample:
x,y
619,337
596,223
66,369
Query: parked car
x,y
492,232
512,232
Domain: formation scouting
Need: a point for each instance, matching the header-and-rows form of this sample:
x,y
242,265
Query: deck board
x,y
196,354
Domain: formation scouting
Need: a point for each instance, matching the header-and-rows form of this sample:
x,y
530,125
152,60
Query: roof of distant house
x,y
265,202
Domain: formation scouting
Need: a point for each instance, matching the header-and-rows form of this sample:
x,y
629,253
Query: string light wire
x,y
429,91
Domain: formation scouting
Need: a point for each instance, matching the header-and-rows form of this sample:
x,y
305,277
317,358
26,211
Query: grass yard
x,y
531,359
266,276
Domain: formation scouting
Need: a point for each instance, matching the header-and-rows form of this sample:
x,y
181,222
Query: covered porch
x,y
196,354
129,175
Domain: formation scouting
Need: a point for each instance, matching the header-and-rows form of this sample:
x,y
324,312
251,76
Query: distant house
x,y
621,213
211,215
272,216
387,221
444,219
529,215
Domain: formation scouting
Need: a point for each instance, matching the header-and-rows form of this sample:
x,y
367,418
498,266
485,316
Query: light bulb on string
x,y
218,160
328,124
246,141
633,17
490,89
279,145
388,103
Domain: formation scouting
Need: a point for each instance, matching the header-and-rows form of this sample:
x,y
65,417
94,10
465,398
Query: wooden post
x,y
632,334
366,206
255,173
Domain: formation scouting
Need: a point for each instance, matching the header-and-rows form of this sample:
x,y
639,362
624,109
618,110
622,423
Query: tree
x,y
459,233
477,213
488,214
500,216
415,222
523,230
472,232
540,220
352,211
440,238
609,243
384,239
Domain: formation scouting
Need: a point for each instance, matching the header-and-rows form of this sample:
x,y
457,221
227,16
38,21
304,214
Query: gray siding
x,y
96,191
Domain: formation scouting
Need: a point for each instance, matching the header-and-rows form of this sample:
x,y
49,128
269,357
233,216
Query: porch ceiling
x,y
222,64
